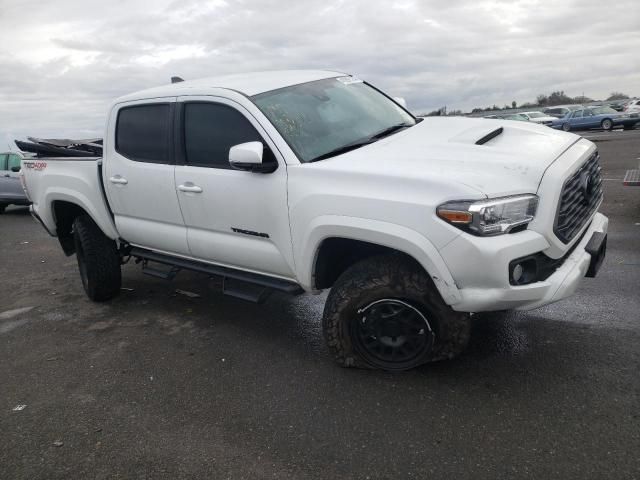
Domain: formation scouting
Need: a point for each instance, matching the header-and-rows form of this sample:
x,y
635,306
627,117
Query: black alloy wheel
x,y
391,334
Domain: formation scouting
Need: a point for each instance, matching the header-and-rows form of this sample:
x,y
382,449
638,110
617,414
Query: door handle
x,y
118,180
190,187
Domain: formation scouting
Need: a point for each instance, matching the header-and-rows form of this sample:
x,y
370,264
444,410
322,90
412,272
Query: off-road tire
x,y
606,124
98,260
391,276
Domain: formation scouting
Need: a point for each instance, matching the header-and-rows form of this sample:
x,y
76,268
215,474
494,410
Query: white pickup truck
x,y
301,181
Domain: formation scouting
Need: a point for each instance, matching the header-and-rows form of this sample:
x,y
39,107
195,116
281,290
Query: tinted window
x,y
14,161
603,110
3,161
142,133
211,129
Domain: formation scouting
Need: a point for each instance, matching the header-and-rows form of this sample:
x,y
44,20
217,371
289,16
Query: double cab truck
x,y
302,181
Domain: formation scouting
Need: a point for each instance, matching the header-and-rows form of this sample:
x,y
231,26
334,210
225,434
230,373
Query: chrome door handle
x,y
118,180
190,187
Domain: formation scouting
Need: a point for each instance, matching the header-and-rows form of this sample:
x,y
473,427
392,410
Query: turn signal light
x,y
455,216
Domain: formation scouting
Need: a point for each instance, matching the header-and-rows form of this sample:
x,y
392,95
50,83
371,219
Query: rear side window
x,y
211,129
143,133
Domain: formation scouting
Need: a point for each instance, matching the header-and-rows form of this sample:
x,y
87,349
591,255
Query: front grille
x,y
581,195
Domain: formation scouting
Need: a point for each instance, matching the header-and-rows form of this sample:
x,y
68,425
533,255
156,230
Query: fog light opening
x,y
523,271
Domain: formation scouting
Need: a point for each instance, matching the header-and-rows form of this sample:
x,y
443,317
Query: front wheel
x,y
385,312
566,127
98,260
607,124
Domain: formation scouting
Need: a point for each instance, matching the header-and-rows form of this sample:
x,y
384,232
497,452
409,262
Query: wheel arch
x,y
355,239
64,212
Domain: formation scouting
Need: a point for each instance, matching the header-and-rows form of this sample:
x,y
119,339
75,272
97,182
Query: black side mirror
x,y
15,169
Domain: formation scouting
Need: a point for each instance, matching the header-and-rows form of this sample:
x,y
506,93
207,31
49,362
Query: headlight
x,y
492,216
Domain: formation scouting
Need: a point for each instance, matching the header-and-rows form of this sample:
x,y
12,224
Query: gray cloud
x,y
68,59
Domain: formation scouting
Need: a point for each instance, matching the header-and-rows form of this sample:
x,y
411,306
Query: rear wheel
x,y
98,260
566,127
607,124
386,313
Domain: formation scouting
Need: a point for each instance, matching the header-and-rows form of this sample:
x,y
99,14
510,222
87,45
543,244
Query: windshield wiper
x,y
343,149
388,131
352,146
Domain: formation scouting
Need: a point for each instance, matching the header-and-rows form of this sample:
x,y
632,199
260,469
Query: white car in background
x,y
538,117
632,106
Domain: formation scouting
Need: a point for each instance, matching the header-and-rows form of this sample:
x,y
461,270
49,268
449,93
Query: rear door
x,y
589,120
4,177
139,176
12,178
234,218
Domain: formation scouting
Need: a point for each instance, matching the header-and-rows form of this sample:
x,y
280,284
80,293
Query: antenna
x,y
176,79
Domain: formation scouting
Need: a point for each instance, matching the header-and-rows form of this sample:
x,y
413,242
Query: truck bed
x,y
67,179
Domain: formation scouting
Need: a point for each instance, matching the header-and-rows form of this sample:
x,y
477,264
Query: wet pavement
x,y
157,384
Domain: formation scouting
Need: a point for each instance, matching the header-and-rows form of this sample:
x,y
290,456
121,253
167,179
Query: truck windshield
x,y
327,117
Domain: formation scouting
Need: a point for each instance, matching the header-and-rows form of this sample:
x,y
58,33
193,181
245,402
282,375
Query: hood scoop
x,y
489,136
480,134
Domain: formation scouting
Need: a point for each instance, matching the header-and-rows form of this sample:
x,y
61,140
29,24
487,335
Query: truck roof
x,y
250,83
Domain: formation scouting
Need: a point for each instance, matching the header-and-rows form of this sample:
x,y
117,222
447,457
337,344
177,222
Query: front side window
x,y
211,129
327,117
14,161
577,114
142,133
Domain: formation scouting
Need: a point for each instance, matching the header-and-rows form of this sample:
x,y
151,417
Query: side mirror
x,y
15,169
400,101
248,157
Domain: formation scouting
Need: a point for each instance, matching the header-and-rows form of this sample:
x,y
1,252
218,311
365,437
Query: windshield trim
x,y
257,96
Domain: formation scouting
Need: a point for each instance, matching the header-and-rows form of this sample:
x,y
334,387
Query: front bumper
x,y
561,284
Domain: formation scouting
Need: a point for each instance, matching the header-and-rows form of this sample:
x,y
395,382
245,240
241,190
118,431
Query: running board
x,y
237,283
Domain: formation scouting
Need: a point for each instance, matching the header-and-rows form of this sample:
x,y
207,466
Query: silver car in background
x,y
11,192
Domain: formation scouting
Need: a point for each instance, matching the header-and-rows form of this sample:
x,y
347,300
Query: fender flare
x,y
99,214
377,232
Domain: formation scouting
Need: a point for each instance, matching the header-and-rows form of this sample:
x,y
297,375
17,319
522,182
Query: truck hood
x,y
445,150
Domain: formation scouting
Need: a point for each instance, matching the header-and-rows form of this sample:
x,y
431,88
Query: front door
x,y
139,176
233,218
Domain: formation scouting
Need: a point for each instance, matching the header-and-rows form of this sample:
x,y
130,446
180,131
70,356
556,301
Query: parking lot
x,y
159,384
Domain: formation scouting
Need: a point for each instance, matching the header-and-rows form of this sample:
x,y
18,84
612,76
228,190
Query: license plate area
x,y
597,248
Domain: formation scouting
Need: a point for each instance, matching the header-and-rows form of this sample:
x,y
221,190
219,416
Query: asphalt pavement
x,y
159,384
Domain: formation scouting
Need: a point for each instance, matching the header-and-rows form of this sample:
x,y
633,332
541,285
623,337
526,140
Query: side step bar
x,y
246,285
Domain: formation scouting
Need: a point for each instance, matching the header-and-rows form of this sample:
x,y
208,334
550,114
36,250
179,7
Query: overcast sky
x,y
63,61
